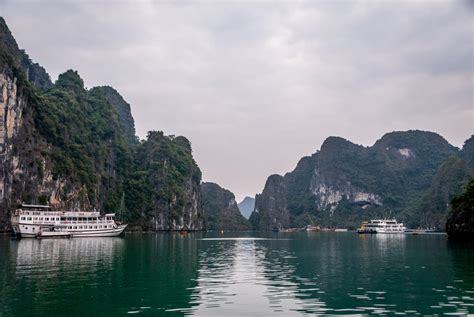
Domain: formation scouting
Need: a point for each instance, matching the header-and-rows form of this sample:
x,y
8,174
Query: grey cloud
x,y
257,85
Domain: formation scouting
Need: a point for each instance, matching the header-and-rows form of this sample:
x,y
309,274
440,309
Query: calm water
x,y
237,274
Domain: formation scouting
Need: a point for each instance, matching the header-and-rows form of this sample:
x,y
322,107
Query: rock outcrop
x,y
33,72
123,110
345,183
164,186
221,209
271,208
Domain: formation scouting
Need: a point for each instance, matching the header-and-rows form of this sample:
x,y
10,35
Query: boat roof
x,y
77,214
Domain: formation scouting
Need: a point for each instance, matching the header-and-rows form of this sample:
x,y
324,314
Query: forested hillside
x,y
75,149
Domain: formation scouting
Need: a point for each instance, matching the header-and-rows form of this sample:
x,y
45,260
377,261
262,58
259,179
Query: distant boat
x,y
382,226
38,221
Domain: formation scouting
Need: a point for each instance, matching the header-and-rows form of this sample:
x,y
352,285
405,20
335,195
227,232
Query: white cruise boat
x,y
382,226
37,221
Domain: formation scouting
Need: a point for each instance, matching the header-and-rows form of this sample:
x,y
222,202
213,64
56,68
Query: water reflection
x,y
338,274
242,277
52,254
285,274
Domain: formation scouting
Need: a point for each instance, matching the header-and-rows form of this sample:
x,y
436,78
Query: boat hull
x,y
112,232
115,232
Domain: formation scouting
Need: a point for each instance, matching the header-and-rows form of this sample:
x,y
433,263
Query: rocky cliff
x,y
75,149
271,208
163,187
221,209
33,72
123,110
343,183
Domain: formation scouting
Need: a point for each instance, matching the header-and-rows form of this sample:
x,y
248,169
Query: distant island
x,y
246,206
411,176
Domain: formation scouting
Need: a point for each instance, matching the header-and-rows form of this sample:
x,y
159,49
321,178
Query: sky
x,y
256,85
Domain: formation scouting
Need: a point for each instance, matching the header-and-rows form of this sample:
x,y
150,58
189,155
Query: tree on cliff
x,y
461,219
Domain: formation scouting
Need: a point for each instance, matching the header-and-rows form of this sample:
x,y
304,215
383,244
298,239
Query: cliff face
x,y
33,72
221,210
123,110
271,209
467,152
164,187
344,183
76,149
451,177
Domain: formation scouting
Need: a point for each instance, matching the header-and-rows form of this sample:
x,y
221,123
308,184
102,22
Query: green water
x,y
237,274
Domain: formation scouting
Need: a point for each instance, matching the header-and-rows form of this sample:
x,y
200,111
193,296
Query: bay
x,y
237,274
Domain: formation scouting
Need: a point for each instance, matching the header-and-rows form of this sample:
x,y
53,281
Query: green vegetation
x,y
76,149
411,175
461,219
164,183
87,144
221,209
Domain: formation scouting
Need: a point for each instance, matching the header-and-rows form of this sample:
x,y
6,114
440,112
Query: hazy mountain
x,y
246,206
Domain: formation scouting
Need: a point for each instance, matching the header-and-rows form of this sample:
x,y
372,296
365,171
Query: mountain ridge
x,y
344,183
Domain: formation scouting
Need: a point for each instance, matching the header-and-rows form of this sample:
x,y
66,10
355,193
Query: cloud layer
x,y
257,85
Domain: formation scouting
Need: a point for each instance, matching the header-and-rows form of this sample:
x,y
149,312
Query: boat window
x,y
90,227
23,218
75,227
29,218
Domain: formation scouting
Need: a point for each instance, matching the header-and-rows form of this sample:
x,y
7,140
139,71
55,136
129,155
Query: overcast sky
x,y
257,85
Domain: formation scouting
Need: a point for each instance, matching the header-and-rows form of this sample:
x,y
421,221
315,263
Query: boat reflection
x,y
47,257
